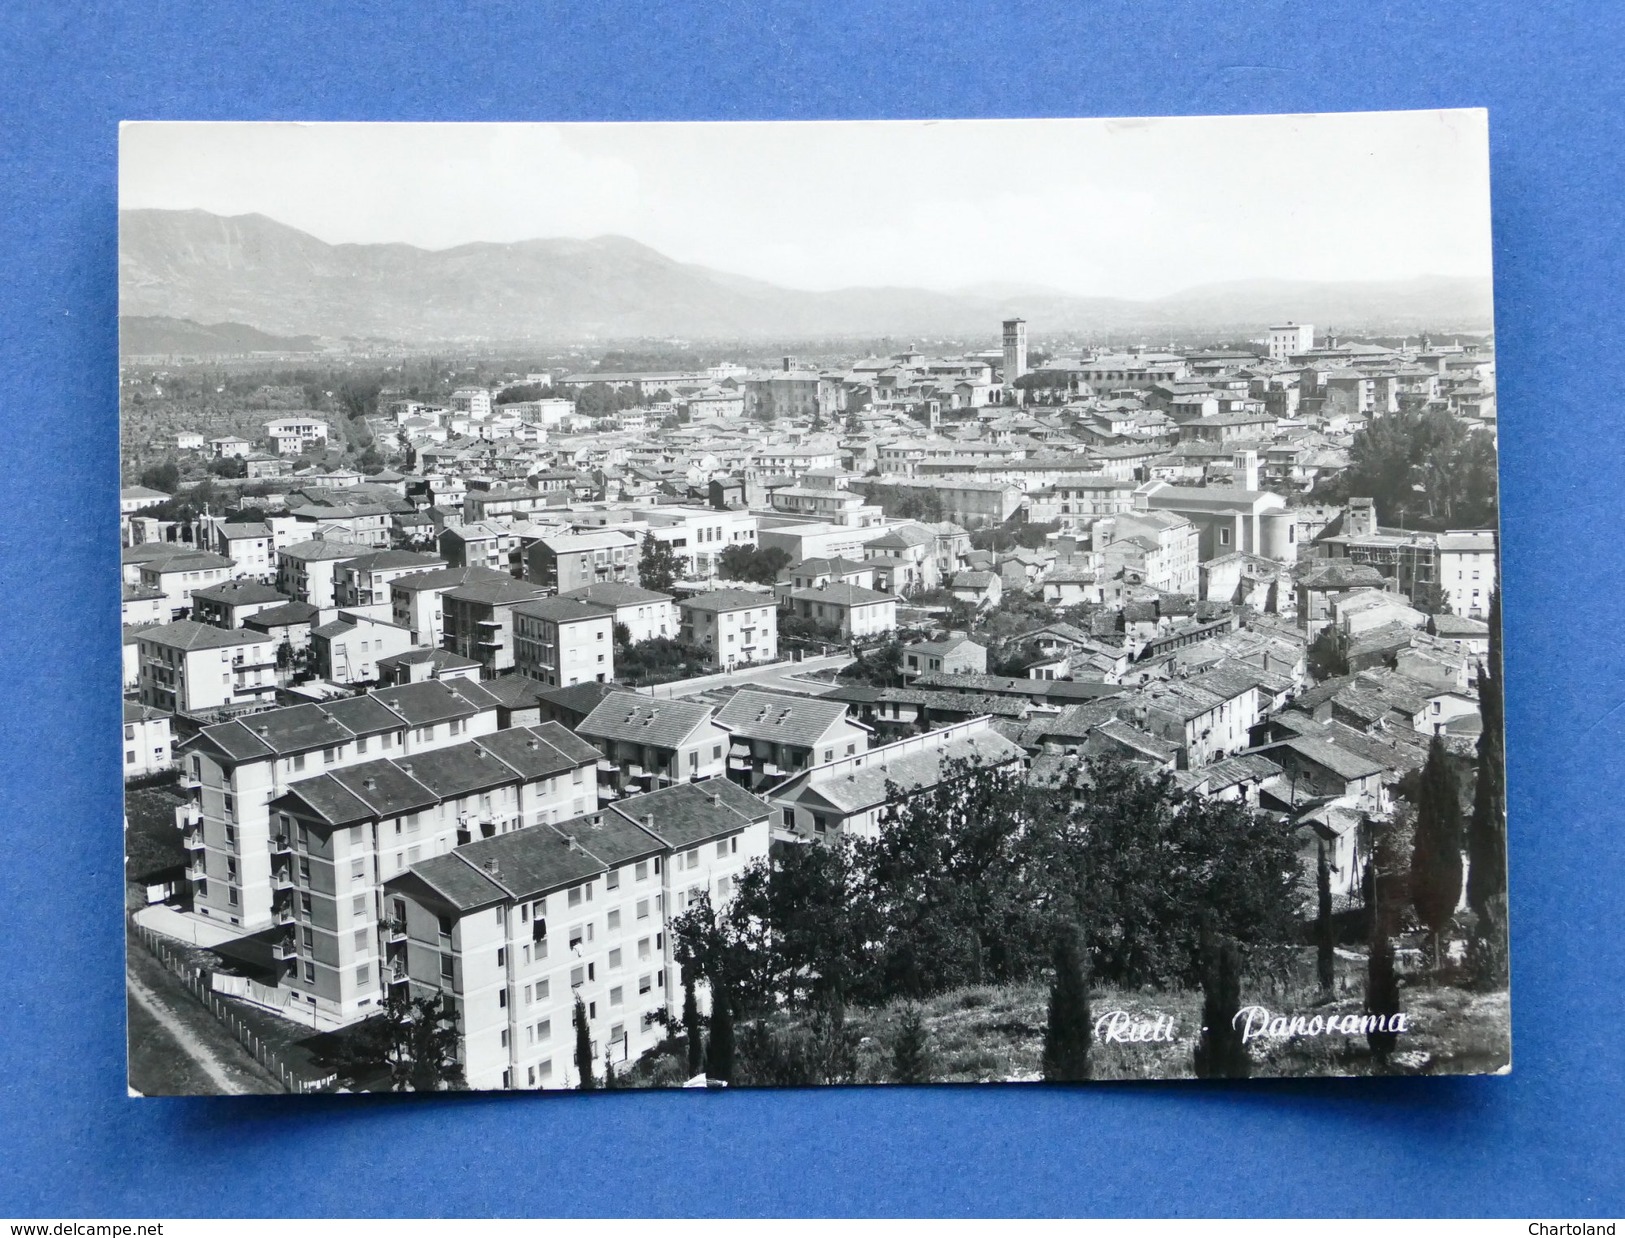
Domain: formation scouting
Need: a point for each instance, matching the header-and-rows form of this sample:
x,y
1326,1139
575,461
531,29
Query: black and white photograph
x,y
777,604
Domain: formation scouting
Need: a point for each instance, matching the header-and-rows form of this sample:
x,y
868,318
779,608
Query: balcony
x,y
196,870
283,914
285,949
395,973
187,815
281,844
192,839
394,931
282,879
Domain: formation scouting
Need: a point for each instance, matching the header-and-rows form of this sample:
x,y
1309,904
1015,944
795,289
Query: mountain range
x,y
220,274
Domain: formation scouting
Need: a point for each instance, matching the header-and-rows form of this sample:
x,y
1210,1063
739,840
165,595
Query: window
x,y
361,939
694,858
310,973
643,909
445,966
614,959
574,899
789,818
578,977
643,949
645,983
502,999
544,1031
361,745
502,956
722,848
544,1069
616,996
577,935
542,988
612,879
733,845
716,752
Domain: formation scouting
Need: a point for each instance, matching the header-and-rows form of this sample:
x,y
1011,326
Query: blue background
x,y
1545,1141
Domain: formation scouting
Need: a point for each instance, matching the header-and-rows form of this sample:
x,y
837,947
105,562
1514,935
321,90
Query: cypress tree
x,y
691,1025
1220,1051
1070,1031
1381,988
583,1049
1324,957
1486,831
911,1052
719,1057
1436,852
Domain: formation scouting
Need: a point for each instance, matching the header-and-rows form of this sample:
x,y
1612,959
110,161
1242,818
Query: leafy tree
x,y
1424,469
1221,1053
911,1050
370,460
881,667
659,659
522,393
1325,956
359,397
754,563
1153,861
1327,657
165,476
622,635
1486,830
583,1049
230,467
423,1038
719,1053
691,1024
658,565
1436,851
1069,1032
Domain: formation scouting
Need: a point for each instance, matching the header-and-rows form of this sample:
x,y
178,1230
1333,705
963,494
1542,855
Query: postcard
x,y
778,604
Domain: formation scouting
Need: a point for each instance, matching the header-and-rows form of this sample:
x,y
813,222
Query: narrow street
x,y
176,1047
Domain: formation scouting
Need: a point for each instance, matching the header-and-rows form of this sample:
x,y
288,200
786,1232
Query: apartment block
x,y
187,667
233,770
343,832
563,641
736,627
517,928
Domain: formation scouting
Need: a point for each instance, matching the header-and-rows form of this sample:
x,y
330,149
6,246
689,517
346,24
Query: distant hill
x,y
153,336
248,269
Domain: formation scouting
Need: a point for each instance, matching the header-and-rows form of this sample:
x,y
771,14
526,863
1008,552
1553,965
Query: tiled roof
x,y
780,719
639,719
187,634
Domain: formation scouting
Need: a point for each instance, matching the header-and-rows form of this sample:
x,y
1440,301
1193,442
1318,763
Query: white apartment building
x,y
148,741
562,641
187,667
475,401
292,435
517,928
347,650
1467,570
308,571
649,743
234,770
1289,340
345,832
644,613
415,599
365,580
176,575
734,626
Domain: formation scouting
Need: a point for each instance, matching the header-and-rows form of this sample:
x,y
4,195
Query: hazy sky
x,y
1134,208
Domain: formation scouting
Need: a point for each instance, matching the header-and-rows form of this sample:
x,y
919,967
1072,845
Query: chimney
x,y
571,841
491,866
649,821
370,783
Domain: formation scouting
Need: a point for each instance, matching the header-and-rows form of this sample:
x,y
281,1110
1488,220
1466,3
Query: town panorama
x,y
669,713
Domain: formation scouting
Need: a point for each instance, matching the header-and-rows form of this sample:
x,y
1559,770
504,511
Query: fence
x,y
200,982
